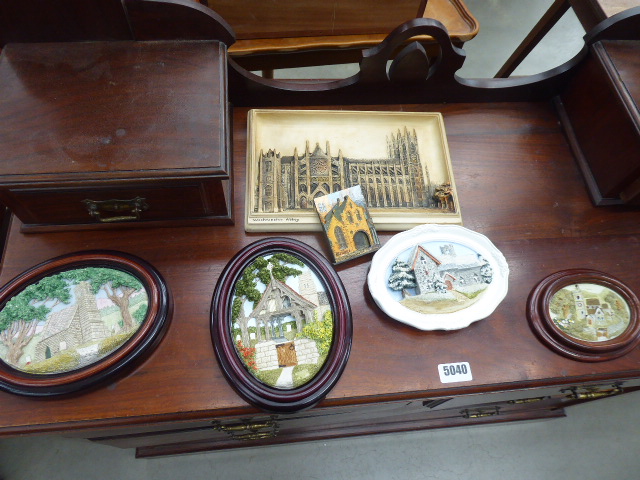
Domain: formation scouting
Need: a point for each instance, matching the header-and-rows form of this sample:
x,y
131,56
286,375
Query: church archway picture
x,y
282,321
280,324
77,316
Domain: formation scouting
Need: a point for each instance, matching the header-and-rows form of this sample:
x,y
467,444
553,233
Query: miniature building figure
x,y
347,224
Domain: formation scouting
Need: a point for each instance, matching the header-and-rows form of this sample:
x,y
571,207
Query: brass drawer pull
x,y
246,430
254,436
593,394
527,400
480,413
239,427
97,208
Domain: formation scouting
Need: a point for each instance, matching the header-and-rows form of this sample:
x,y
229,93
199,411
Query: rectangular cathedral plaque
x,y
400,160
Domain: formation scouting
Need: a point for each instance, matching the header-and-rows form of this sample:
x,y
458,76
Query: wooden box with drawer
x,y
103,134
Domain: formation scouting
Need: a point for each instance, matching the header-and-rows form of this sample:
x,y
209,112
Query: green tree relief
x,y
280,265
118,286
321,332
21,314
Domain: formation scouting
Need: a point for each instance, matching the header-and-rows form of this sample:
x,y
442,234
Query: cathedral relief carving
x,y
395,180
400,160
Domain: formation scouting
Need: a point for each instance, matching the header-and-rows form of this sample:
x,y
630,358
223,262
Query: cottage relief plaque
x,y
281,324
72,321
438,277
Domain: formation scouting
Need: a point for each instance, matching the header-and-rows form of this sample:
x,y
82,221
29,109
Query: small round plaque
x,y
585,315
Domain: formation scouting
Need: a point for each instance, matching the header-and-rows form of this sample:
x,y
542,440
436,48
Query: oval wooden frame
x,y
141,343
250,388
552,336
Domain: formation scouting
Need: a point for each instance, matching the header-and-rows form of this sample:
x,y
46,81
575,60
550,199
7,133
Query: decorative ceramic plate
x,y
438,277
281,324
76,320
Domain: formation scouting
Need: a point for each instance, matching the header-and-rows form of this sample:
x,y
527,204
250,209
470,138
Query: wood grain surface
x,y
517,183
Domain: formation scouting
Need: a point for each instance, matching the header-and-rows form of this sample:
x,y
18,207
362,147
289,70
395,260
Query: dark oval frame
x,y
143,341
250,388
543,326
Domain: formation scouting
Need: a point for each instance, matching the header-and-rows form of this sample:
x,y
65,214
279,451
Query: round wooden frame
x,y
250,388
551,335
141,343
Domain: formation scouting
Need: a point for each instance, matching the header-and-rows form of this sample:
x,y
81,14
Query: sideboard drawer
x,y
133,203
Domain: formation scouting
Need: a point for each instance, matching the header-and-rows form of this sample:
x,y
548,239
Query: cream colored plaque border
x,y
352,132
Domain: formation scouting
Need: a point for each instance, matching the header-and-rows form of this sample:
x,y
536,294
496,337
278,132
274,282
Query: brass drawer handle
x,y
254,436
527,400
480,413
246,430
593,394
97,208
239,427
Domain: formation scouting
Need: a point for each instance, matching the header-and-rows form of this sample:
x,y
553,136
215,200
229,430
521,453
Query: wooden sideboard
x,y
518,184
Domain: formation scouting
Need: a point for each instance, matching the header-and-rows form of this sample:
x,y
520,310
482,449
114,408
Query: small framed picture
x,y
77,320
281,325
347,224
585,315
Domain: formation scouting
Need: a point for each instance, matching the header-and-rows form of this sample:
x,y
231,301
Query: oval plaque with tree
x,y
70,322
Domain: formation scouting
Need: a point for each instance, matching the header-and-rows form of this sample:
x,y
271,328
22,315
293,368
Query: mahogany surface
x,y
517,183
601,102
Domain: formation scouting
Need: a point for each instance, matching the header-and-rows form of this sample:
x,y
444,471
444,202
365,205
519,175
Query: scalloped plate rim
x,y
399,243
